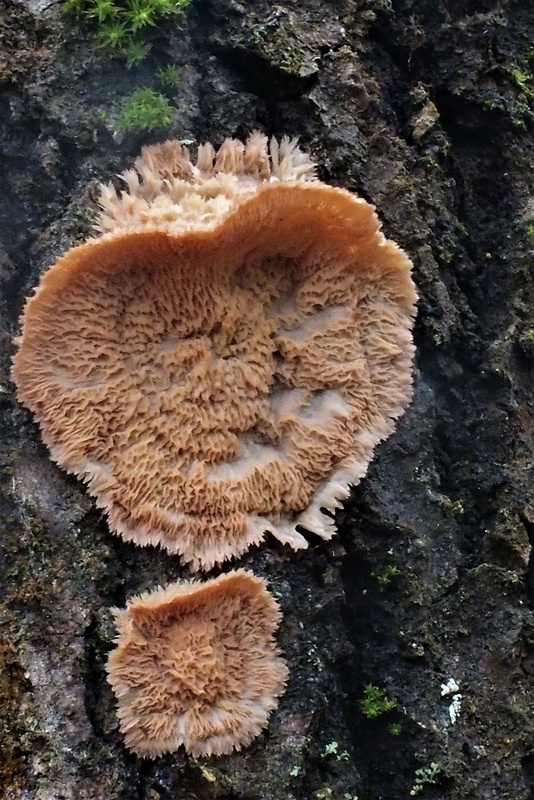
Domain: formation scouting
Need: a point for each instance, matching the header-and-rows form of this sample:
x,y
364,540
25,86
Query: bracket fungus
x,y
223,359
197,664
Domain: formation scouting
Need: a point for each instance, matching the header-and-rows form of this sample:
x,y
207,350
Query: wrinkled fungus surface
x,y
222,361
197,664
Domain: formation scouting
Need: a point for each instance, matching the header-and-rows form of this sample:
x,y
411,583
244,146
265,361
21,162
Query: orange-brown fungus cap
x,y
222,361
197,664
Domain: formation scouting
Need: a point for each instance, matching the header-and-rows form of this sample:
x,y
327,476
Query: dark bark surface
x,y
425,109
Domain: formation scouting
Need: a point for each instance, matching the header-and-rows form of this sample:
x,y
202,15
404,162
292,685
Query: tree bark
x,y
424,109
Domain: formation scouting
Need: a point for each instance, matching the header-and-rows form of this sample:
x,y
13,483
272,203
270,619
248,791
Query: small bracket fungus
x,y
222,361
197,664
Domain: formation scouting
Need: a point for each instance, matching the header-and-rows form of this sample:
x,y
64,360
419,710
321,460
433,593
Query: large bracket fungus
x,y
223,359
197,664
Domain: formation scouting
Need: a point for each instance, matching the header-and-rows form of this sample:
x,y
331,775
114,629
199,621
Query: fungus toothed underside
x,y
197,664
223,359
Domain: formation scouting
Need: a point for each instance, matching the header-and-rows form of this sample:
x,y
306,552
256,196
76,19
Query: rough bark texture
x,y
425,109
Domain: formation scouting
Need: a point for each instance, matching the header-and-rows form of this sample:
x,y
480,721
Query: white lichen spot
x,y
450,687
455,708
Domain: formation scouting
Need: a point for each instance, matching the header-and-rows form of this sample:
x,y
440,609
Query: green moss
x,y
375,702
144,110
523,79
385,577
133,51
121,24
169,77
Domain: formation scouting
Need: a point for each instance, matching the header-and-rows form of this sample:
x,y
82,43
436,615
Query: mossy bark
x,y
426,110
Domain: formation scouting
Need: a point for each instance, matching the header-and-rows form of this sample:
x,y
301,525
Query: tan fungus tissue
x,y
223,359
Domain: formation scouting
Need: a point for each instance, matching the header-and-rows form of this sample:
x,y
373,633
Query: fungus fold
x,y
223,358
197,664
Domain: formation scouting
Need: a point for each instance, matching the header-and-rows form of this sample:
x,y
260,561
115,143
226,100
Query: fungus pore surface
x,y
197,664
222,360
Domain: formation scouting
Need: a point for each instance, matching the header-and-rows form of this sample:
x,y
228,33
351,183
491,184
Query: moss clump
x,y
523,79
144,110
121,24
386,576
169,77
375,702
